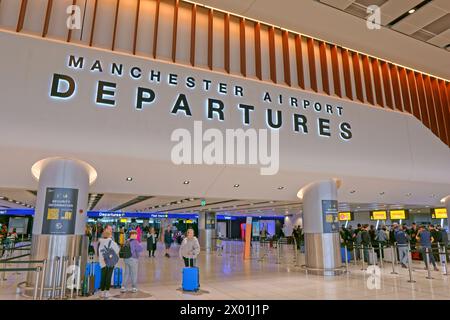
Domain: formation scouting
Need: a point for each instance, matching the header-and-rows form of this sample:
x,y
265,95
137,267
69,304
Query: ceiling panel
x,y
111,200
442,39
340,4
393,9
419,19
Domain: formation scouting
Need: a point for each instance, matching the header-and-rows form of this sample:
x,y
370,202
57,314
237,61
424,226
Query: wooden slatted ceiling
x,y
286,62
299,61
47,17
258,70
136,25
396,87
22,12
193,27
116,16
422,99
445,107
324,67
227,42
312,64
335,68
430,104
405,90
377,81
210,38
357,76
367,79
414,95
243,60
439,110
273,70
174,30
155,28
387,84
347,73
69,33
93,22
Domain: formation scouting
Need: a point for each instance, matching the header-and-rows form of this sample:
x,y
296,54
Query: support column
x,y
207,230
321,227
61,212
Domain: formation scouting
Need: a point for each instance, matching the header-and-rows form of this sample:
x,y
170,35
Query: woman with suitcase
x,y
189,250
108,257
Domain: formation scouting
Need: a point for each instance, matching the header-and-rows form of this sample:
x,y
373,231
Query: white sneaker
x,y
106,297
134,290
123,289
101,295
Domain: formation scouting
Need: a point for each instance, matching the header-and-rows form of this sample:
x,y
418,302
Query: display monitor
x,y
439,213
378,215
398,214
346,216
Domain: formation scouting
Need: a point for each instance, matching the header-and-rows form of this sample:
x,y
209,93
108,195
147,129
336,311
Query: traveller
x,y
168,239
381,239
357,239
437,238
365,242
3,237
189,249
402,239
132,263
444,241
139,233
108,256
413,234
122,236
152,239
425,239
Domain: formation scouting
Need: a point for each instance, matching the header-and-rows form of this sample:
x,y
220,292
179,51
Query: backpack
x,y
109,255
125,251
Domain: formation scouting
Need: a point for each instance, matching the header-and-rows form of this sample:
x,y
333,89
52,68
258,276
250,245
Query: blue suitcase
x,y
93,268
349,256
190,279
117,277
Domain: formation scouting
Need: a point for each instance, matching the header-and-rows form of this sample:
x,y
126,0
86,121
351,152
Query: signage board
x,y
398,214
346,216
378,215
439,213
330,217
60,211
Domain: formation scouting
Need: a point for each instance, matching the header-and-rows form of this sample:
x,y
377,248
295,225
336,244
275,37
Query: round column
x,y
61,213
446,202
207,230
321,228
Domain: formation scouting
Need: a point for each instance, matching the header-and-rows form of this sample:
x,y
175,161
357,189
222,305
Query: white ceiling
x,y
328,20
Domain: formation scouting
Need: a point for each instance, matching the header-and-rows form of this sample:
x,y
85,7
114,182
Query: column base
x,y
322,253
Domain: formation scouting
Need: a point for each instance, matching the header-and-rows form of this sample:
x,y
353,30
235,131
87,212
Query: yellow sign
x,y
188,221
345,216
67,215
439,213
378,215
123,220
53,214
397,214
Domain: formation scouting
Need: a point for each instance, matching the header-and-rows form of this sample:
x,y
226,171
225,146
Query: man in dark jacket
x,y
444,240
365,242
437,238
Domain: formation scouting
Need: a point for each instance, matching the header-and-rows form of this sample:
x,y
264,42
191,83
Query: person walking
x,y
381,239
365,242
425,239
168,239
437,238
108,256
152,239
402,239
132,263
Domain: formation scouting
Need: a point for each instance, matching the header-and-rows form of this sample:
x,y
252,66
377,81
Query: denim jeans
x,y
131,272
430,255
403,254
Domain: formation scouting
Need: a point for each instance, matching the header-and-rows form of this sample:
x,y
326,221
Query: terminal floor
x,y
230,277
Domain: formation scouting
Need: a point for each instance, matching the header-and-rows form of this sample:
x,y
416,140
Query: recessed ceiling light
x,y
236,185
412,11
408,194
186,182
129,179
280,188
353,191
381,193
433,196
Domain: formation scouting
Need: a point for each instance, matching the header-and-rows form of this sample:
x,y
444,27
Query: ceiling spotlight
x,y
408,194
236,185
412,11
280,188
186,182
353,191
381,193
129,179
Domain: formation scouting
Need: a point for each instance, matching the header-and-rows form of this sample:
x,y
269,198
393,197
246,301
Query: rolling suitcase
x,y
190,279
349,256
117,277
